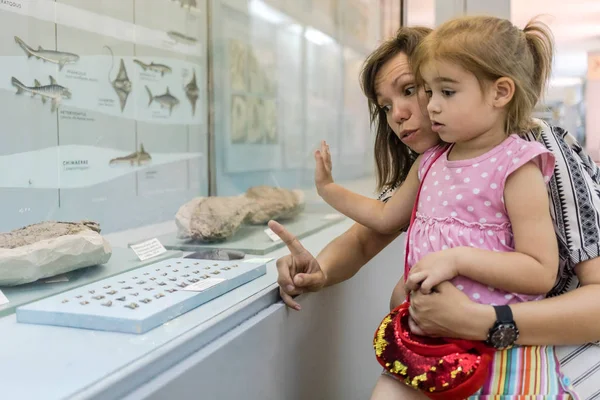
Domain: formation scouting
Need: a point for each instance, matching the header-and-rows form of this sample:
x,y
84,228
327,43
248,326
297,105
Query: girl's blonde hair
x,y
492,48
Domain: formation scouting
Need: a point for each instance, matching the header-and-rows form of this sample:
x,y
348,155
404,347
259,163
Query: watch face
x,y
504,336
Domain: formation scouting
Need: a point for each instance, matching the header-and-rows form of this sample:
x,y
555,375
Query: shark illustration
x,y
181,38
53,91
191,91
138,157
161,68
166,100
57,57
121,84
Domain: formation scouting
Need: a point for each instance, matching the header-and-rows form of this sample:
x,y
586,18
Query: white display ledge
x,y
55,363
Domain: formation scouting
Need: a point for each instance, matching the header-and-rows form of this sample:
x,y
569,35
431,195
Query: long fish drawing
x,y
192,93
161,68
166,100
181,38
137,157
121,84
53,91
57,57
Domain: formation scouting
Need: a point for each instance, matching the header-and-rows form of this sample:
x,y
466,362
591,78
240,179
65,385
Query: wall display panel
x,y
247,108
266,132
29,124
111,96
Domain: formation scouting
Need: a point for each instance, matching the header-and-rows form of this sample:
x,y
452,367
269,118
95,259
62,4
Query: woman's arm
x,y
345,255
571,318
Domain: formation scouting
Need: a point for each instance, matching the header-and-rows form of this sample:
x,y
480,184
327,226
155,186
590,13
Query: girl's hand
x,y
432,270
323,167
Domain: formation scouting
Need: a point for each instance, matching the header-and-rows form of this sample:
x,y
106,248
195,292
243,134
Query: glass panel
x,y
107,118
113,137
281,86
105,104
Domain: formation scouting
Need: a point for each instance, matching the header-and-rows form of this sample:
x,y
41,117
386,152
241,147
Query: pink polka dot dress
x,y
462,204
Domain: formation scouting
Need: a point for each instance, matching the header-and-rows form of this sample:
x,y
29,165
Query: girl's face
x,y
406,115
460,109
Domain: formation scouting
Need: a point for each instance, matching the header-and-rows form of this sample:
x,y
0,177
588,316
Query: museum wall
x,y
122,111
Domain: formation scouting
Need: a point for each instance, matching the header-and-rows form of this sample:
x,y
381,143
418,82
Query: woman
x,y
401,124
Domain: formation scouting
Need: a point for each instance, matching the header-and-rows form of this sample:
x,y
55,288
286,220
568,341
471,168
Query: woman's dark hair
x,y
392,157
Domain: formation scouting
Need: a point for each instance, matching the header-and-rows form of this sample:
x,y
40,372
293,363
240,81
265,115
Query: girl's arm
x,y
385,218
530,269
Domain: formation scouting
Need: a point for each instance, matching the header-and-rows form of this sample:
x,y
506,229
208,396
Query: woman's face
x,y
406,115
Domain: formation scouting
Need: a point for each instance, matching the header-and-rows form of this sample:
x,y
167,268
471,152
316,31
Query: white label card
x,y
203,285
3,299
272,235
148,249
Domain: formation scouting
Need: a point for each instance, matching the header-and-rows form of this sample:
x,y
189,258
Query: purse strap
x,y
437,155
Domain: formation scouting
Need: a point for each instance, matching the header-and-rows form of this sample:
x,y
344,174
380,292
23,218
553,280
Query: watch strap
x,y
504,314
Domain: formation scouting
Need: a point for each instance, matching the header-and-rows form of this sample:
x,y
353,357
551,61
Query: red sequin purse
x,y
442,368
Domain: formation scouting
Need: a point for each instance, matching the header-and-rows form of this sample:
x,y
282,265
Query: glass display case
x,y
146,144
190,121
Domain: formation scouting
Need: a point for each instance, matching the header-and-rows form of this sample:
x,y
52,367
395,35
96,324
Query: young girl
x,y
482,219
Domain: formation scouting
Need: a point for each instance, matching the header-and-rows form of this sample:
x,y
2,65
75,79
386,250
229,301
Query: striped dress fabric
x,y
575,208
529,372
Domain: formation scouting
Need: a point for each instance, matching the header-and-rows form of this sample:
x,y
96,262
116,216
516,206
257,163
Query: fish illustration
x,y
53,91
191,91
162,68
181,38
165,100
187,3
57,57
121,84
137,157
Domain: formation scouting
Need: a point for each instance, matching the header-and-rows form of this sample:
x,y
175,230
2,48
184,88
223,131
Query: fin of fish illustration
x,y
150,96
17,83
52,80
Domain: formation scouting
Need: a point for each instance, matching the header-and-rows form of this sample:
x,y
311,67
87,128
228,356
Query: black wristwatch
x,y
504,333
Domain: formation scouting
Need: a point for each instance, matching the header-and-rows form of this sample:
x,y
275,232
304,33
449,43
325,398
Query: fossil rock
x,y
50,248
273,203
43,231
210,219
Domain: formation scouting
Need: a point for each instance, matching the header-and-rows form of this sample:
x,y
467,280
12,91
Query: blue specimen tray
x,y
142,299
